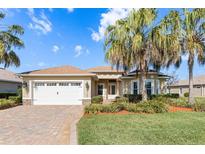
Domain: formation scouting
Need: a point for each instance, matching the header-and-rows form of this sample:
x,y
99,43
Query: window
x,y
100,89
135,87
51,84
75,84
64,84
112,90
148,85
39,84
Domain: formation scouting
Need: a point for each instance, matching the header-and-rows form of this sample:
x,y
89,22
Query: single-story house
x,y
182,86
9,81
68,85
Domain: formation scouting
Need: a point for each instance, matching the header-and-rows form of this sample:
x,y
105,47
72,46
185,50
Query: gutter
x,y
25,75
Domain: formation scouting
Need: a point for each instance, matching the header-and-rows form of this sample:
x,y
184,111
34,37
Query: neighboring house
x,y
68,85
9,81
182,86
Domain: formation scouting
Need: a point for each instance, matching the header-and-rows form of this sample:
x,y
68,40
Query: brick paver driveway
x,y
38,124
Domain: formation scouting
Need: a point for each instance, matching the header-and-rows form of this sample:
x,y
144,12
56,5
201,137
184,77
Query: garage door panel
x,y
58,93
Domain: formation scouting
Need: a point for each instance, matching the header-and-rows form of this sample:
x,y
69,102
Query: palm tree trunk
x,y
191,97
143,91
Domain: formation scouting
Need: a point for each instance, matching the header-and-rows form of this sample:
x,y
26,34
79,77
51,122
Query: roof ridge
x,y
63,69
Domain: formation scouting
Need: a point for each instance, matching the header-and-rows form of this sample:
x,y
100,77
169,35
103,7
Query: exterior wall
x,y
28,94
93,88
127,84
10,87
198,91
126,87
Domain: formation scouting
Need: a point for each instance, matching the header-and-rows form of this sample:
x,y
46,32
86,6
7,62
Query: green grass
x,y
164,128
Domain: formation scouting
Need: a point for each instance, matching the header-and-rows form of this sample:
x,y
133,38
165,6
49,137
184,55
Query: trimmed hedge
x,y
173,95
132,98
97,99
6,95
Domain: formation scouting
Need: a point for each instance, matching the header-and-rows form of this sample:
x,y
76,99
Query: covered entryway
x,y
57,92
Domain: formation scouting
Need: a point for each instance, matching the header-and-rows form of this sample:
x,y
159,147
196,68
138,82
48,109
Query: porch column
x,y
118,87
107,88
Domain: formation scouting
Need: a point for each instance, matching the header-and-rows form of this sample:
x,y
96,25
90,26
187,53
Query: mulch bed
x,y
175,109
124,112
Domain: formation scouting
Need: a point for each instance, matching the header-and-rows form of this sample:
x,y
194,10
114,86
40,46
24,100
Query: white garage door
x,y
58,93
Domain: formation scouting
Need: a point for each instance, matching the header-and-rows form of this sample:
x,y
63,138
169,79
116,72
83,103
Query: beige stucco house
x,y
9,81
68,85
182,86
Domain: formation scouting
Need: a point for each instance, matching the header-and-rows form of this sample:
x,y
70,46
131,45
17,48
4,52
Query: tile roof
x,y
103,69
62,70
6,75
198,80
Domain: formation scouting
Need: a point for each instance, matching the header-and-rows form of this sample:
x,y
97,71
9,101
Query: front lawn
x,y
162,128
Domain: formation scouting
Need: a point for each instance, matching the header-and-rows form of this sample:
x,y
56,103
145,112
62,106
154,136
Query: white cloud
x,y
40,23
55,48
41,64
79,50
70,10
109,18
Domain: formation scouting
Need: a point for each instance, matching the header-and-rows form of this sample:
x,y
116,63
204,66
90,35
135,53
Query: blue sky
x,y
55,37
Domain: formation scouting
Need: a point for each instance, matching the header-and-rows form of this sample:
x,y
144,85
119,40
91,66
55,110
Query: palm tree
x,y
185,33
130,43
9,40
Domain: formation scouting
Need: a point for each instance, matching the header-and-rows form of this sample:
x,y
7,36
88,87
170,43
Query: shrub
x,y
186,94
133,98
6,103
93,108
146,107
16,99
199,106
134,108
180,102
151,106
122,99
159,106
97,99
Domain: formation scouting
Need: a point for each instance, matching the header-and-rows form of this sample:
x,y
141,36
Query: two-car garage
x,y
65,85
57,92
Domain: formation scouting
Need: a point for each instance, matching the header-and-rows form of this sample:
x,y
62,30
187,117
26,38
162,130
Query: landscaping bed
x,y
157,104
